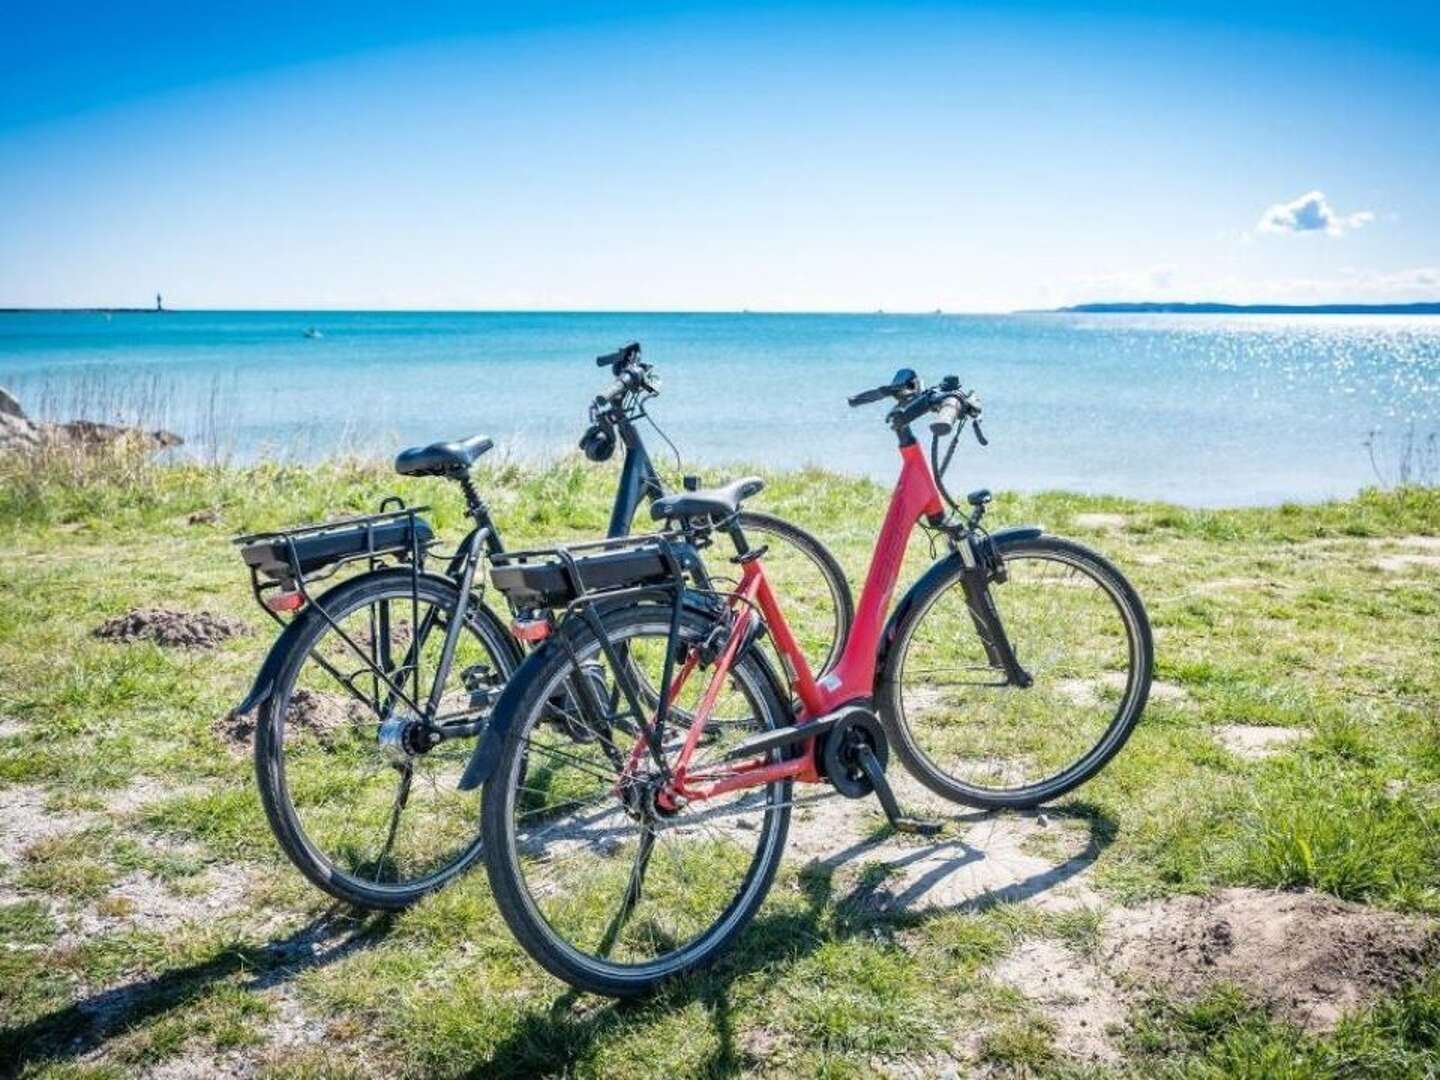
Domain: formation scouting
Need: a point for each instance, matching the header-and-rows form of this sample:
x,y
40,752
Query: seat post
x,y
737,536
474,505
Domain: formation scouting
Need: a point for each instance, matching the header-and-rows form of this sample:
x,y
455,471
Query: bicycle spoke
x,y
402,796
363,825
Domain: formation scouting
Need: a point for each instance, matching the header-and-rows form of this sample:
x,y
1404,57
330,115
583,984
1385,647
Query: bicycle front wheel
x,y
602,884
972,734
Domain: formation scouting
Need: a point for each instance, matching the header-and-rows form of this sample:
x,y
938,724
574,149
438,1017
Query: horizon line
x,y
1082,307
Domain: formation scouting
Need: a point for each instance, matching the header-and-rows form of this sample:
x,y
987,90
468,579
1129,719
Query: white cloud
x,y
1311,212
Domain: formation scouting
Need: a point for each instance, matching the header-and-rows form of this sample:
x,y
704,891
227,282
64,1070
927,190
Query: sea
x,y
1202,410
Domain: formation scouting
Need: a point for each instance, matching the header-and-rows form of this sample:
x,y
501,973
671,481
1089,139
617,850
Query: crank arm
x,y
875,773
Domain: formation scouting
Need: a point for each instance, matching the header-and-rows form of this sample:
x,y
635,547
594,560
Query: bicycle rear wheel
x,y
810,583
972,735
362,811
602,886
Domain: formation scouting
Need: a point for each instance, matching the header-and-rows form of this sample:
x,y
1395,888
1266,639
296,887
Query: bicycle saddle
x,y
442,458
717,502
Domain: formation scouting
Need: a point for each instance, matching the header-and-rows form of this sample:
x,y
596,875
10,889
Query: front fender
x,y
930,581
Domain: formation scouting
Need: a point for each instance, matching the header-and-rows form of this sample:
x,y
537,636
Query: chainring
x,y
839,753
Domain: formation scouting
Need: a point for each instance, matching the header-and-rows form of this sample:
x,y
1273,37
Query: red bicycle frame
x,y
851,678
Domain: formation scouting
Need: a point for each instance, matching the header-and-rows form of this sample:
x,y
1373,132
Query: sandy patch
x,y
1254,742
980,859
1100,521
174,629
144,791
10,727
1406,553
1310,957
1076,995
1400,564
24,820
140,901
1421,543
1086,692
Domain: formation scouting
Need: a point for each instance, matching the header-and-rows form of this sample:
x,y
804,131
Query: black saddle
x,y
719,502
442,458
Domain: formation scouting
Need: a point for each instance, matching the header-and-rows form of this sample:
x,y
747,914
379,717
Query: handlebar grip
x,y
623,355
946,417
866,397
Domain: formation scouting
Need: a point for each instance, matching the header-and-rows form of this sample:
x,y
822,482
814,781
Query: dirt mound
x,y
1310,956
177,629
319,712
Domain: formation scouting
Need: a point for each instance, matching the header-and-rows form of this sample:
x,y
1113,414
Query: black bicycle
x,y
372,697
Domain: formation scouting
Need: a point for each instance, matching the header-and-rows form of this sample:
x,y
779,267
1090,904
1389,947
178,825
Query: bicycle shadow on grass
x,y
552,1040
89,1023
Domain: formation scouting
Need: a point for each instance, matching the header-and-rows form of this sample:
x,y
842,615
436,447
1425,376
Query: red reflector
x,y
285,601
531,629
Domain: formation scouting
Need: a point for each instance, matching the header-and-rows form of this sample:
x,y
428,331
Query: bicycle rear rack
x,y
283,563
574,580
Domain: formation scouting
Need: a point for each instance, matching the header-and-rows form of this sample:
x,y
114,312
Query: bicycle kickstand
x,y
875,773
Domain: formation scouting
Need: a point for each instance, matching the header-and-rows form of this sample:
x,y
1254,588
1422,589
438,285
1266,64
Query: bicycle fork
x,y
985,615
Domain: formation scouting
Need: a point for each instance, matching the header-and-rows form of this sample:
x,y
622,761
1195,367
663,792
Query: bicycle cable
x,y
645,413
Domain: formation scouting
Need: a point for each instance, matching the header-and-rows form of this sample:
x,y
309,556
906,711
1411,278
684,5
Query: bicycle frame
x,y
638,482
850,680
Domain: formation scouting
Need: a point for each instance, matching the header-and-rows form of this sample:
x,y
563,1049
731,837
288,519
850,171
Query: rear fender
x,y
269,673
486,754
942,569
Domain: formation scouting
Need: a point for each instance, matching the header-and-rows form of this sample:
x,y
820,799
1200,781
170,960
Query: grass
x,y
1267,617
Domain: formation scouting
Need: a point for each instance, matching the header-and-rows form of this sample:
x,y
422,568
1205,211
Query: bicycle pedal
x,y
917,826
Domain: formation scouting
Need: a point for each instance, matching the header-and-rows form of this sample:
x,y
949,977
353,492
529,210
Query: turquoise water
x,y
1203,410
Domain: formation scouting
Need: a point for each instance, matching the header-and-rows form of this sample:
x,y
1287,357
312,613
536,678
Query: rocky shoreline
x,y
19,433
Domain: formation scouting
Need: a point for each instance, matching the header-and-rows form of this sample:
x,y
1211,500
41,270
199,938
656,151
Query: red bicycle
x,y
1010,673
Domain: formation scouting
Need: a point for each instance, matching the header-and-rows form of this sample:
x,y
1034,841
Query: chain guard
x,y
837,753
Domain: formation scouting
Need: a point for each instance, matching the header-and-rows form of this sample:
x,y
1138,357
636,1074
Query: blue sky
x,y
705,156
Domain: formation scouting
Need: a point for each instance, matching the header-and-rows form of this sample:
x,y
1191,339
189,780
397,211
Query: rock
x,y
90,434
19,433
9,406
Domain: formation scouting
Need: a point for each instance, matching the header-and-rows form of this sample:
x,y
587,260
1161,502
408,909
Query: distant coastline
x,y
1139,307
83,311
1167,308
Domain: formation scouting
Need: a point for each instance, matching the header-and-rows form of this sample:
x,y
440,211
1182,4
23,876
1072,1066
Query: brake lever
x,y
979,435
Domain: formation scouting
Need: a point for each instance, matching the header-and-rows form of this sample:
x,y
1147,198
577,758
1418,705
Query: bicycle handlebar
x,y
620,358
904,384
632,375
948,401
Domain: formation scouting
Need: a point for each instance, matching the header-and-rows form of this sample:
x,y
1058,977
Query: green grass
x,y
1272,617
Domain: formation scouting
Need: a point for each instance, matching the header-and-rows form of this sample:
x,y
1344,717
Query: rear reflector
x,y
285,601
531,630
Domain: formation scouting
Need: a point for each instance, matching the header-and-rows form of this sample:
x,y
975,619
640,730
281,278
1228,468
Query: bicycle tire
x,y
1140,644
535,681
270,772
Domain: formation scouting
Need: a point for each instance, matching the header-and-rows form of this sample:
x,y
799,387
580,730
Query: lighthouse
x,y
159,303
